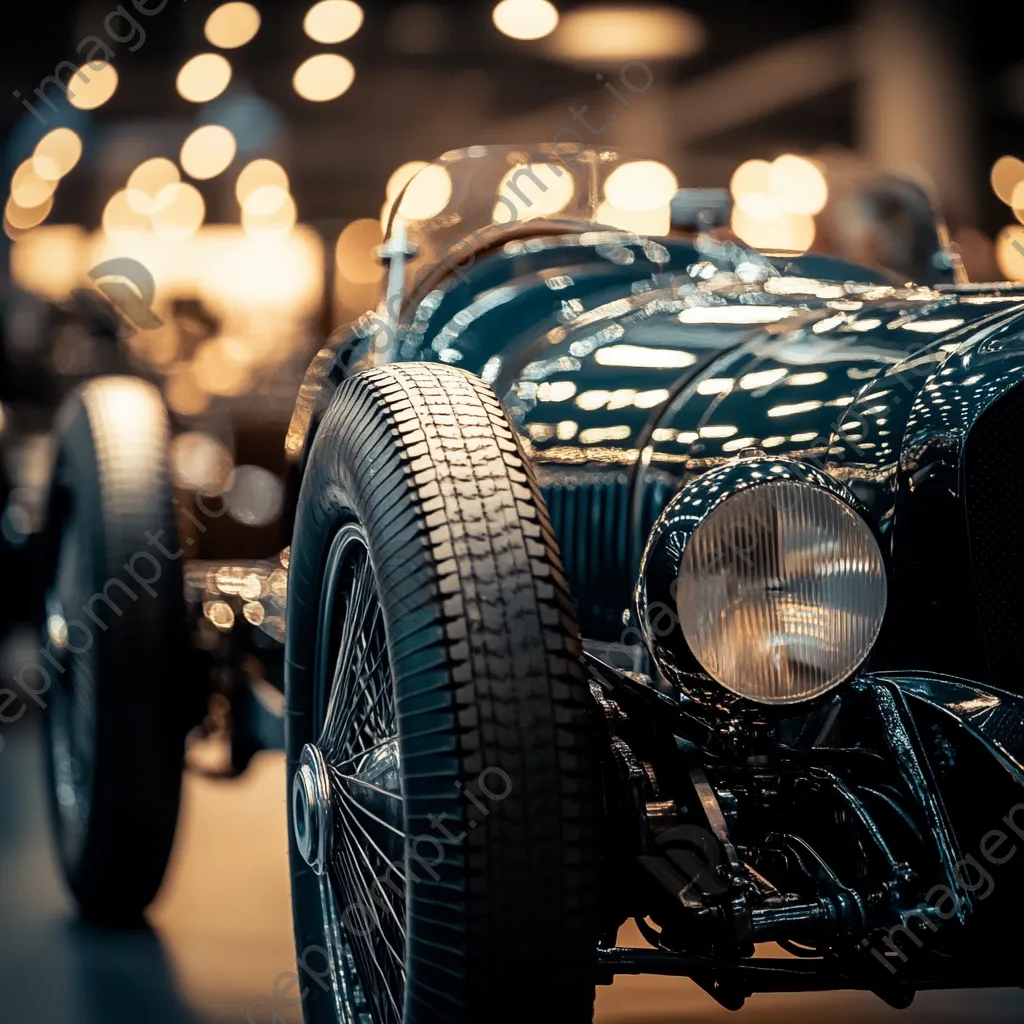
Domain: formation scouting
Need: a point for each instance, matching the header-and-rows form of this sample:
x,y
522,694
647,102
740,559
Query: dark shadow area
x,y
55,968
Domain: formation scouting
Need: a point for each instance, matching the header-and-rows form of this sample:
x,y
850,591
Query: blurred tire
x,y
113,645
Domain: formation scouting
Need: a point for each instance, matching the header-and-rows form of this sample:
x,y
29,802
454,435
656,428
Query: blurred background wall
x,y
342,98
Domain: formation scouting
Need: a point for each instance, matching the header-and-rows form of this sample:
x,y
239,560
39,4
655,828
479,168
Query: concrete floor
x,y
221,930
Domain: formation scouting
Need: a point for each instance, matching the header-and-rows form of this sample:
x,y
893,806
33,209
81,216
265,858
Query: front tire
x,y
445,807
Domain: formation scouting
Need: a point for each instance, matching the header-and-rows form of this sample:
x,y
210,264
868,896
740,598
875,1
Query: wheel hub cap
x,y
311,804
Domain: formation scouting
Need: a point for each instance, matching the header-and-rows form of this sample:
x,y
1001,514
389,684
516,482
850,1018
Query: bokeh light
x,y
265,200
1017,201
56,154
797,184
751,185
258,174
232,25
595,35
279,220
208,151
200,460
23,218
402,176
642,222
323,77
1007,174
13,233
255,497
121,219
90,88
333,21
183,393
785,232
47,259
640,185
355,255
774,193
427,194
398,180
148,180
223,366
1010,252
28,189
177,211
204,77
525,19
533,190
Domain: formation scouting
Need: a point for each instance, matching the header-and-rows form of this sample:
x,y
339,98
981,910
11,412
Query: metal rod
x,y
765,974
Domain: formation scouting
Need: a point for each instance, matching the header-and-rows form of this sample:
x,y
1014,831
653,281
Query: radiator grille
x,y
994,493
591,516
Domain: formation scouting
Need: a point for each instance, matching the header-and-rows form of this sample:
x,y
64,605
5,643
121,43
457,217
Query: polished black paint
x,y
580,335
903,381
641,377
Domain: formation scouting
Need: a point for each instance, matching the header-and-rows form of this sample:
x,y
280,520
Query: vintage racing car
x,y
626,575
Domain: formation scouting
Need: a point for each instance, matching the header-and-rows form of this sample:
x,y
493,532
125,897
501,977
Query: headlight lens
x,y
781,592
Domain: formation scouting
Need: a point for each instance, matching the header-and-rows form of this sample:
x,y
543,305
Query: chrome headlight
x,y
779,584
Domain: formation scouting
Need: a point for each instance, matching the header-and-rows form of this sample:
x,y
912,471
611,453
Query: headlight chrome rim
x,y
672,537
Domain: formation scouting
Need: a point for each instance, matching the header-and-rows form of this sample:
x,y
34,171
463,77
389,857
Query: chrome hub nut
x,y
311,809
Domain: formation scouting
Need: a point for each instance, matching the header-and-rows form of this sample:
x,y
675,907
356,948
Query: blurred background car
x,y
243,155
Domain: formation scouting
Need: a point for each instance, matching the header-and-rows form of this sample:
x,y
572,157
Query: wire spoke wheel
x,y
347,799
446,809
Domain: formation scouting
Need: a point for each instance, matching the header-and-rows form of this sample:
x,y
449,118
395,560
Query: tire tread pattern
x,y
486,656
113,439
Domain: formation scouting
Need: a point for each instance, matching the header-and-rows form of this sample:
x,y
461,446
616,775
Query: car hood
x,y
680,379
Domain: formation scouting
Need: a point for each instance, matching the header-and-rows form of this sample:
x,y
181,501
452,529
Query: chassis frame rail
x,y
731,981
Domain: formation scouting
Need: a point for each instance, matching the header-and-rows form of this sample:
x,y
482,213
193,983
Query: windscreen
x,y
469,199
